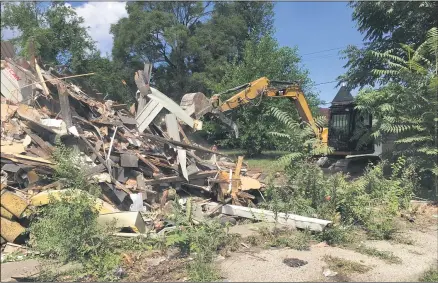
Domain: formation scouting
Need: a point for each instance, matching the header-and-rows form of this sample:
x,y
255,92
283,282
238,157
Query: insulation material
x,y
10,230
13,203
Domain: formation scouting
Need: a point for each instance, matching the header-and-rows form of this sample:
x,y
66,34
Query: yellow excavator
x,y
344,119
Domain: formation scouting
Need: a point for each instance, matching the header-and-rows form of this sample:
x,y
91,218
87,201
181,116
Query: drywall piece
x,y
173,132
292,220
57,125
182,160
137,202
174,108
15,84
172,127
148,114
124,219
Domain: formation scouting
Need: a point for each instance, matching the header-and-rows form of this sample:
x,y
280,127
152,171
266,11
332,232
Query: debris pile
x,y
140,156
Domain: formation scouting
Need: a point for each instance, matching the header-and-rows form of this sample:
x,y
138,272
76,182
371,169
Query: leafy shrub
x,y
337,235
67,230
371,201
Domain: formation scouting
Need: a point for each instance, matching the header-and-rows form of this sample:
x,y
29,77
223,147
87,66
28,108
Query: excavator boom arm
x,y
252,91
262,87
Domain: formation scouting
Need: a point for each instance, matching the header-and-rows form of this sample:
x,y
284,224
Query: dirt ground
x,y
259,265
267,265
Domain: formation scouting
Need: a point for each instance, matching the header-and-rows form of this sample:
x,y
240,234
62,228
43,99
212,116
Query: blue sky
x,y
314,27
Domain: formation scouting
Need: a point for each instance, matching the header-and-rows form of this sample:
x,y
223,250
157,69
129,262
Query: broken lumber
x,y
172,142
172,179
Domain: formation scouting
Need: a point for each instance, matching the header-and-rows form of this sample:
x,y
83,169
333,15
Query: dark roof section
x,y
325,112
343,96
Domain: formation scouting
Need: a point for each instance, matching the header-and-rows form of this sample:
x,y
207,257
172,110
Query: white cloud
x,y
99,16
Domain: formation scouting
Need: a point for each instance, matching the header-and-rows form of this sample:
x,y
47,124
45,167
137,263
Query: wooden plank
x,y
95,170
147,114
184,145
38,152
40,77
148,163
22,158
172,179
39,141
143,88
235,183
97,146
65,105
185,138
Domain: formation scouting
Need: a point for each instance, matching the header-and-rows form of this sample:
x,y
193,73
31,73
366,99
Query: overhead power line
x,y
331,49
323,51
326,83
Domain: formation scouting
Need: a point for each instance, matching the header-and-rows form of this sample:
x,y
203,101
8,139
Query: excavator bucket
x,y
197,105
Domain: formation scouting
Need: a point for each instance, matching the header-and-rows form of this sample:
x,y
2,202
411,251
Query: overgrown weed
x,y
370,202
281,238
431,275
386,256
345,266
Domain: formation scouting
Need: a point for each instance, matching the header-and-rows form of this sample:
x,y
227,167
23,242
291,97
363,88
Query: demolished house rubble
x,y
140,157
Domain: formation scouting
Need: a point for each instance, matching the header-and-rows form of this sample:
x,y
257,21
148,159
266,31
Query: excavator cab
x,y
347,125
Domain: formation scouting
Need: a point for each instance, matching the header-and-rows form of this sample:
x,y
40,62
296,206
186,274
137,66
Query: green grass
x,y
430,275
265,161
388,257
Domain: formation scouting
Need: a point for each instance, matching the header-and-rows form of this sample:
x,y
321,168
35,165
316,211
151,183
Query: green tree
x,y
187,42
384,25
55,31
262,59
407,106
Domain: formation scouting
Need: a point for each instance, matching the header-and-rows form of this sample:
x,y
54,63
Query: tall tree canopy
x,y
385,24
56,32
187,41
407,105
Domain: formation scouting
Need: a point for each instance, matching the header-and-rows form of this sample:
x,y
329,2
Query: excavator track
x,y
354,166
